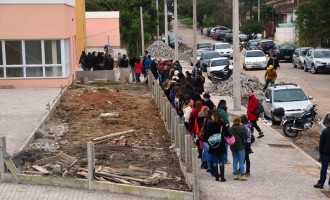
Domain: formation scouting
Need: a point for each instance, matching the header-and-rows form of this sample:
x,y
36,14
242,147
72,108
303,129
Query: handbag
x,y
214,140
230,140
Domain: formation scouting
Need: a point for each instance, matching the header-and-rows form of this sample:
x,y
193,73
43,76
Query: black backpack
x,y
260,109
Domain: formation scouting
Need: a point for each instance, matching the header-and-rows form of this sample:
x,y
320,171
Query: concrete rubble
x,y
158,49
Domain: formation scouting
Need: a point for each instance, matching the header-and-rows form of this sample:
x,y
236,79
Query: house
x,y
37,43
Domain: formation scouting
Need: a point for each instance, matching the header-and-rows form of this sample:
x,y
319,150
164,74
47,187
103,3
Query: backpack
x,y
260,109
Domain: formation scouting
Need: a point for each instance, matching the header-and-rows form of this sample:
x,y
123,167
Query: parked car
x,y
266,46
289,96
204,45
217,68
254,59
171,40
298,57
284,51
252,44
217,30
317,60
224,49
228,38
199,53
205,57
324,122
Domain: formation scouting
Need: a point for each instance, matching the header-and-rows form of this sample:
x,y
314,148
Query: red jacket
x,y
138,67
252,106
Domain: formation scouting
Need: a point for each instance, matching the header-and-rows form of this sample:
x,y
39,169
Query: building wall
x,y
36,20
100,25
81,27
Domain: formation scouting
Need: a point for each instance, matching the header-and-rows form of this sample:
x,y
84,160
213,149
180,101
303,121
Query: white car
x,y
199,53
317,60
216,70
254,59
224,49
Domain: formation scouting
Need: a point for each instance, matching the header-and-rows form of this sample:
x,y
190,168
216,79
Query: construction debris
x,y
106,137
159,49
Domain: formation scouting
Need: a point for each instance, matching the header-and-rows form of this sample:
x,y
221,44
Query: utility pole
x,y
194,34
108,49
176,44
157,21
236,73
258,10
166,22
142,31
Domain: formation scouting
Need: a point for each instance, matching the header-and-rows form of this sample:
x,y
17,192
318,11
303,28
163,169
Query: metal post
x,y
176,48
177,125
108,49
3,148
237,73
168,112
195,173
166,22
173,122
164,108
142,30
194,33
187,152
91,163
181,141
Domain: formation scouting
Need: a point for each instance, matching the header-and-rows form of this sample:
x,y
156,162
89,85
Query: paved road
x,y
316,85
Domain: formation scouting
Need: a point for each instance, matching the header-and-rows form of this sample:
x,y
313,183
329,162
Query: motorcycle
x,y
242,45
294,125
221,75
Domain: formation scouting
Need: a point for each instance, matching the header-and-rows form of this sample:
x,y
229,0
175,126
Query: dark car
x,y
266,46
228,38
205,58
284,51
252,44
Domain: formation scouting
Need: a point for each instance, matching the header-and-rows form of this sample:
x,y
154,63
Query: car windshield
x,y
303,52
220,62
287,46
205,45
268,43
223,46
211,55
288,95
322,54
255,54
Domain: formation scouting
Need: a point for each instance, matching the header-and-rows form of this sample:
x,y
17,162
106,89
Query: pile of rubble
x,y
159,49
247,82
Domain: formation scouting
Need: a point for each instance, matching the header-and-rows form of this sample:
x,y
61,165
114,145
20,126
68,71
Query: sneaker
x,y
318,185
244,177
247,174
261,134
237,176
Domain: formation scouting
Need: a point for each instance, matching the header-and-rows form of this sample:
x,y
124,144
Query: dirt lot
x,y
78,118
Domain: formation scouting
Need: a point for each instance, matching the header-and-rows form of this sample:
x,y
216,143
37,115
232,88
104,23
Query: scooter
x,y
222,75
293,125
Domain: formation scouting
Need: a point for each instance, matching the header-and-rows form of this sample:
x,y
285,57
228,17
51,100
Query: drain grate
x,y
281,145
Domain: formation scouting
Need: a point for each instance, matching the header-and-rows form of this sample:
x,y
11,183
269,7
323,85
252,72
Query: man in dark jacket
x,y
324,151
124,72
273,61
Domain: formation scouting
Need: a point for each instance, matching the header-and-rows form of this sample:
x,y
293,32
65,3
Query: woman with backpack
x,y
251,114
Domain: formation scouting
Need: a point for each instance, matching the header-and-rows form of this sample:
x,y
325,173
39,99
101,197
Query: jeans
x,y
323,175
238,158
225,156
206,155
137,76
218,159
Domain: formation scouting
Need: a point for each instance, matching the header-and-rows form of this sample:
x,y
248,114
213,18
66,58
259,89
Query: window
x,y
33,52
13,52
34,58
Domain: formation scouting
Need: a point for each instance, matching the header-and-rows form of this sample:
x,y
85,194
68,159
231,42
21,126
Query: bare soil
x,y
147,148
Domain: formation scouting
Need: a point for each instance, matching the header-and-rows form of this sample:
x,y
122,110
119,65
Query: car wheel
x,y
313,70
305,67
274,122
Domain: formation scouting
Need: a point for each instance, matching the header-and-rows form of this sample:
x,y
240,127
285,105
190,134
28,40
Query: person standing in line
x,y
124,72
222,110
270,76
324,150
238,148
207,101
108,62
253,103
132,62
146,66
138,70
248,149
273,61
119,57
82,60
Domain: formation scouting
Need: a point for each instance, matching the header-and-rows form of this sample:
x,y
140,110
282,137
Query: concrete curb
x,y
140,191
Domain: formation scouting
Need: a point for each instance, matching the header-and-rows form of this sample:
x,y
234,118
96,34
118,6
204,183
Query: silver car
x,y
317,60
298,57
288,96
324,122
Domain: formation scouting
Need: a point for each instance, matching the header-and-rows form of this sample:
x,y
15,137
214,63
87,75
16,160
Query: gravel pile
x,y
158,49
247,82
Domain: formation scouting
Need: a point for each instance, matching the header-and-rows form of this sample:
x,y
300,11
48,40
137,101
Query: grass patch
x,y
186,20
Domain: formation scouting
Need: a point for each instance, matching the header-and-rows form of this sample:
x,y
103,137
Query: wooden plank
x,y
33,172
68,159
41,169
49,159
12,168
103,174
113,135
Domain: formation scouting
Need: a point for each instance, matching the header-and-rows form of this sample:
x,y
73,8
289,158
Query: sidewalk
x,y
279,169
